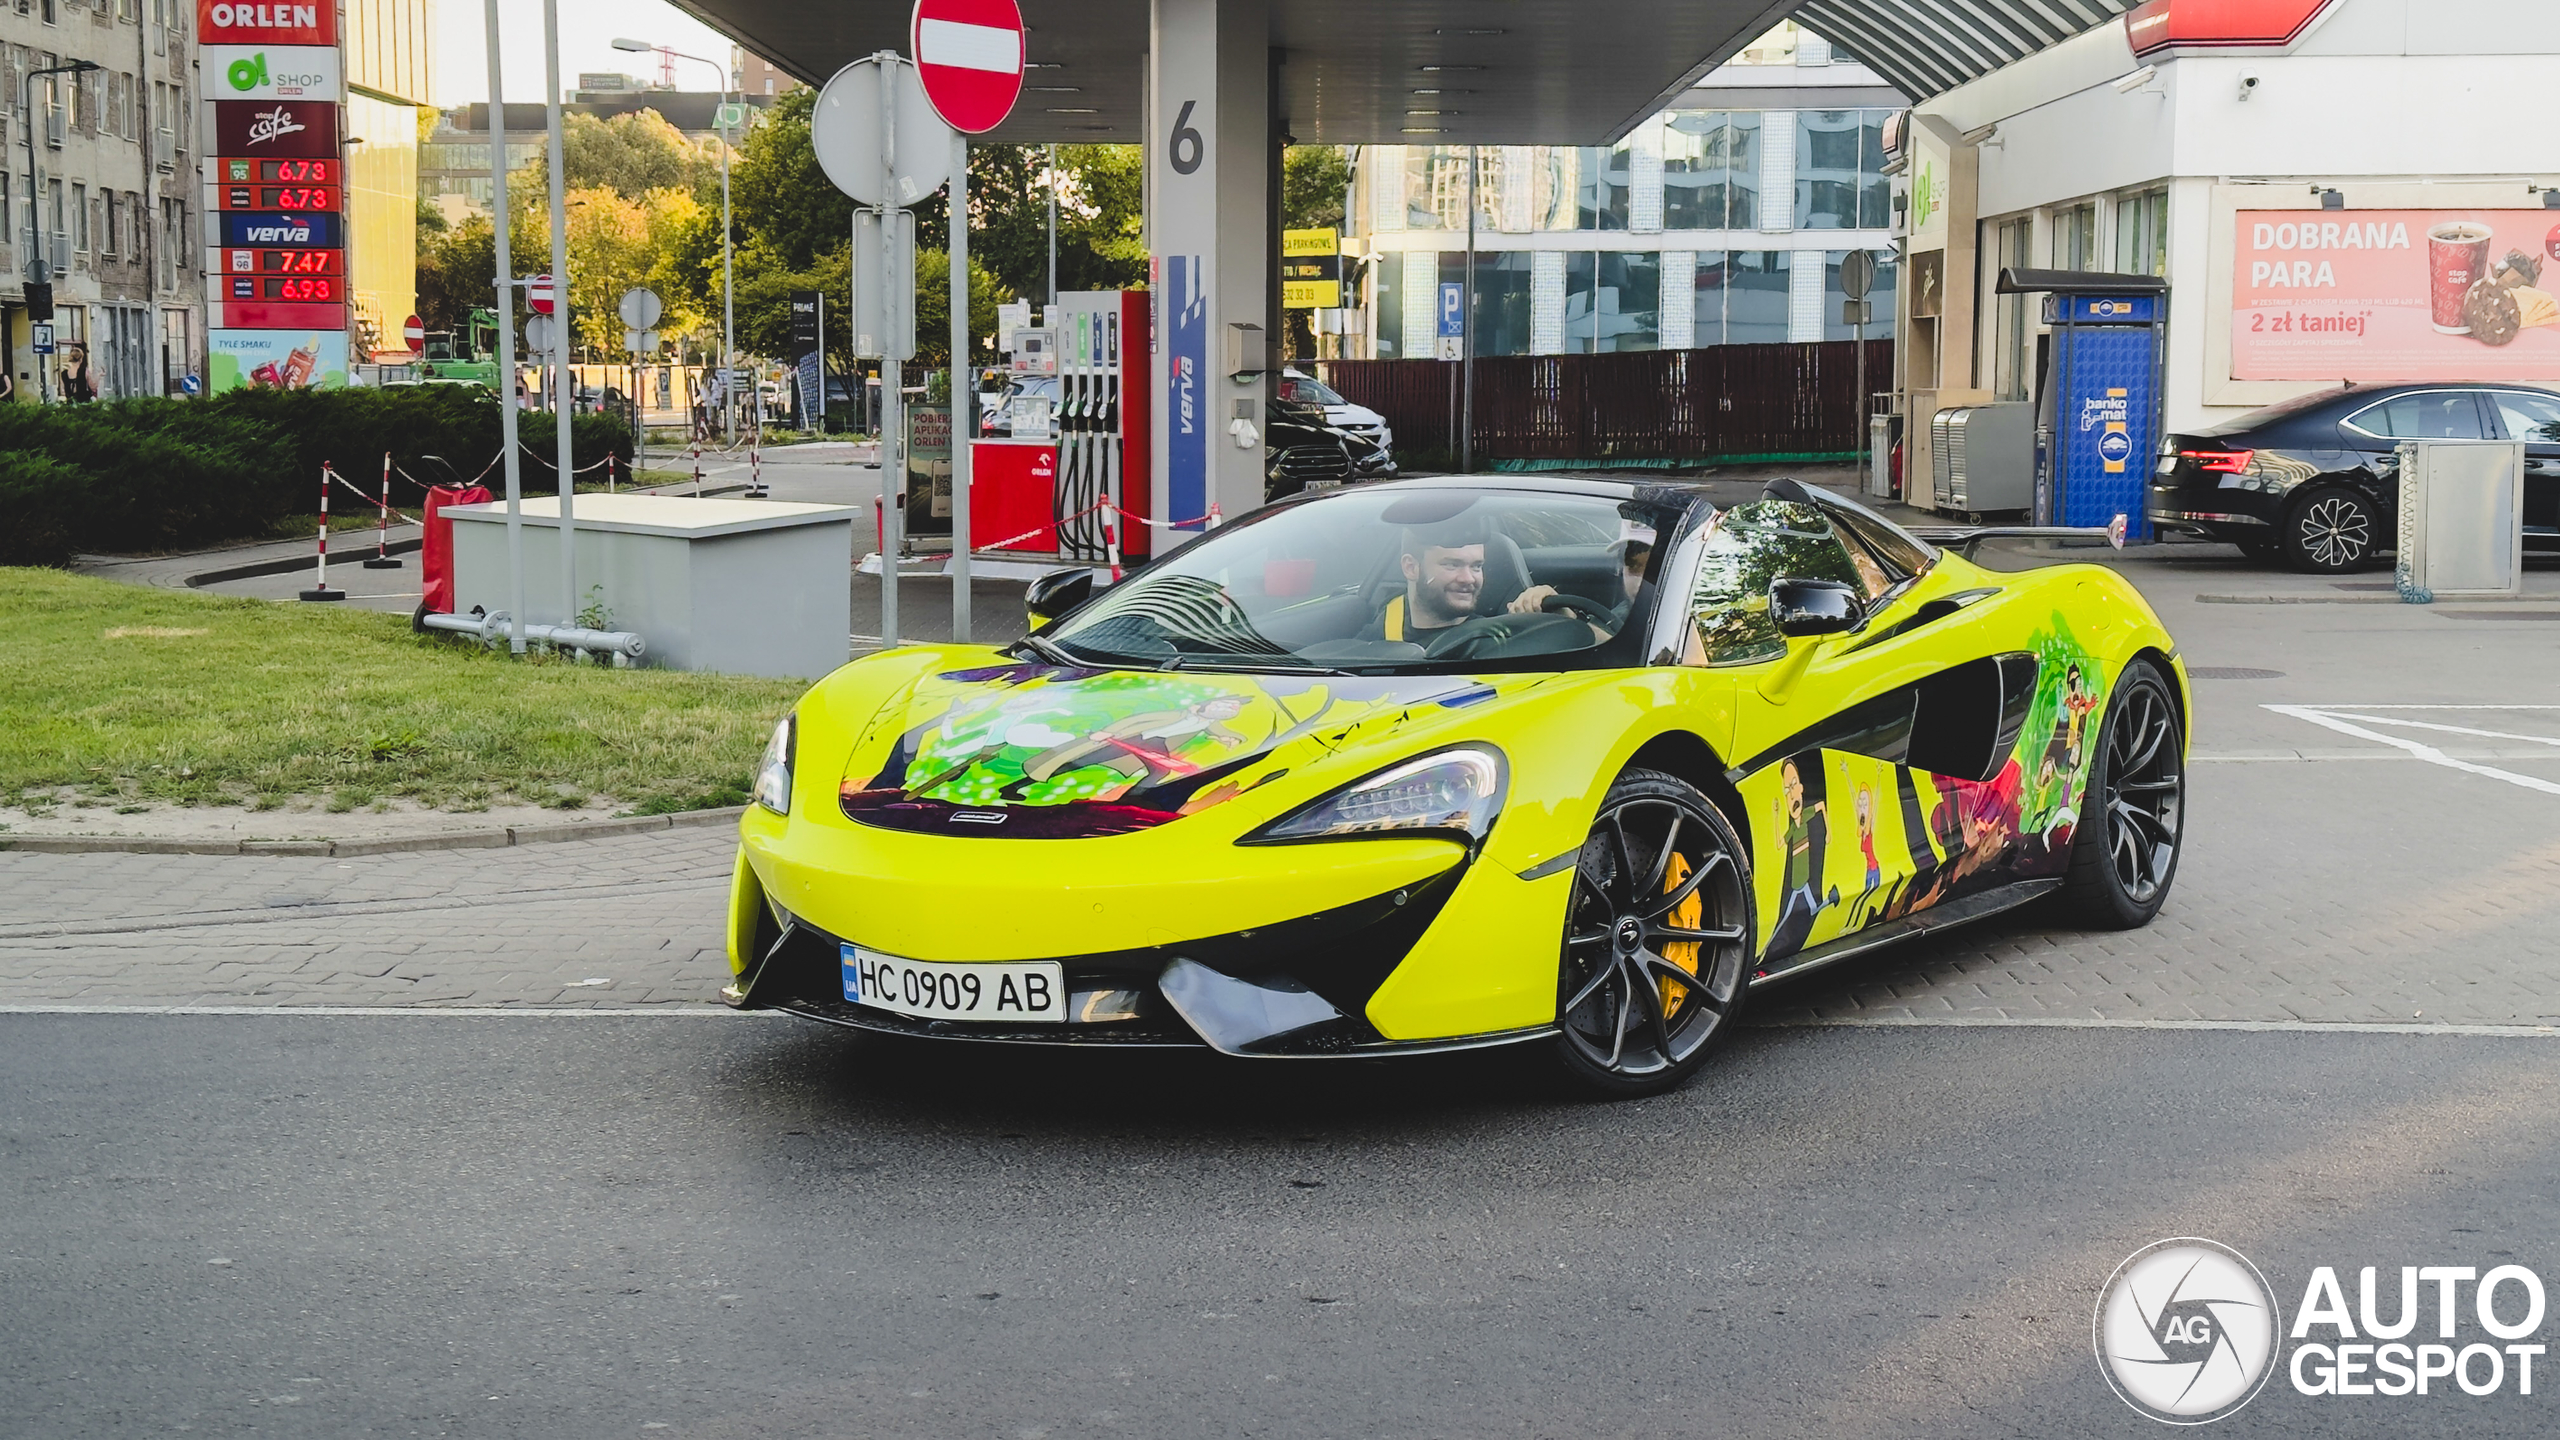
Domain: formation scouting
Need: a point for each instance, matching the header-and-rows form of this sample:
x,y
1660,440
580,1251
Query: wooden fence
x,y
1728,402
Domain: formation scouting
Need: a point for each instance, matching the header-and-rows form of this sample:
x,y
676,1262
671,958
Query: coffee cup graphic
x,y
2457,256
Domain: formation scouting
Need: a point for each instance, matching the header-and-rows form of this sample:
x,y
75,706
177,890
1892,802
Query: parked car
x,y
1299,388
1304,450
2314,481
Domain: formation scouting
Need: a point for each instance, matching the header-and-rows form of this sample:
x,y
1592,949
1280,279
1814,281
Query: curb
x,y
489,839
290,564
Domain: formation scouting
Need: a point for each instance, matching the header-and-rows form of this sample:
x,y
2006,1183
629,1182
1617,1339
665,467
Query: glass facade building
x,y
1702,227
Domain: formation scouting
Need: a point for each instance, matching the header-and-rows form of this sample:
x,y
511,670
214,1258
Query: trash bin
x,y
2461,519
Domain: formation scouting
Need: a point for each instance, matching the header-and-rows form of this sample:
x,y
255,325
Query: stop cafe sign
x,y
969,56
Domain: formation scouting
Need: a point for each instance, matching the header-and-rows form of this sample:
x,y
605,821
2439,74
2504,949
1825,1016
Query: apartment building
x,y
99,185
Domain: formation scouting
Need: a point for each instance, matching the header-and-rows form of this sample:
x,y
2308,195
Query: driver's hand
x,y
1532,600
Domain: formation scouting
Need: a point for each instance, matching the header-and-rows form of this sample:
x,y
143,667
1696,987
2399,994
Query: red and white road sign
x,y
537,294
414,330
969,56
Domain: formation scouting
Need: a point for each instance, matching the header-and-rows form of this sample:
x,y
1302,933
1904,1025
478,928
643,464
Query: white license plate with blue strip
x,y
1011,991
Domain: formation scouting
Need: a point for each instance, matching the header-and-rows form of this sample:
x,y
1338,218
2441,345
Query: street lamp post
x,y
347,283
728,301
39,269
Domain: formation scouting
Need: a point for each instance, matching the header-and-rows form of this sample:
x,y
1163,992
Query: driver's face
x,y
1443,583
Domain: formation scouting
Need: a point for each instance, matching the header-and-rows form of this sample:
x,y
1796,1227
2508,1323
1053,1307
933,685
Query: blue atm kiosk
x,y
2098,409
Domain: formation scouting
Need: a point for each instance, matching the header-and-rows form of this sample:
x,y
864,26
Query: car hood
x,y
1353,415
1033,751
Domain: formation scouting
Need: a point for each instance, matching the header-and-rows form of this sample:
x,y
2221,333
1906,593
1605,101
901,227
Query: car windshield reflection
x,y
1389,581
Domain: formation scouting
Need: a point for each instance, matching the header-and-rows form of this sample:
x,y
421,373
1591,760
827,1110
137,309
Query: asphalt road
x,y
744,1226
1887,1210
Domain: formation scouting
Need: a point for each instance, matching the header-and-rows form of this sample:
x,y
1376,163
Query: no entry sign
x,y
414,330
537,294
969,55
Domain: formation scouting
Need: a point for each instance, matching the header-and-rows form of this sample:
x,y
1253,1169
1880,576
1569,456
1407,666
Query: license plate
x,y
1015,990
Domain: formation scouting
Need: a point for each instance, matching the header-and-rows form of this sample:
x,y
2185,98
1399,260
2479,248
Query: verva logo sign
x,y
222,23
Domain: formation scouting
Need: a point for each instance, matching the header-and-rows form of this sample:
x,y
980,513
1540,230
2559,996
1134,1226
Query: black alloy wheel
x,y
2331,531
1657,942
2124,851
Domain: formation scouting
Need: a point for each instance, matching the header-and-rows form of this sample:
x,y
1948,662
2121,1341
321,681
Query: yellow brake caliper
x,y
1689,914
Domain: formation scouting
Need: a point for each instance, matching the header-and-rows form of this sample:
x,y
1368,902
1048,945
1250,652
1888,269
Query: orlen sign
x,y
221,23
2157,25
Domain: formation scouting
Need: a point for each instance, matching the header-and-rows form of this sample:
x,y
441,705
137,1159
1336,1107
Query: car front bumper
x,y
1332,948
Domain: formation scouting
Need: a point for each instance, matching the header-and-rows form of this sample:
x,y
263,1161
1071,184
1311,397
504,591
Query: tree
x,y
633,154
455,274
1314,182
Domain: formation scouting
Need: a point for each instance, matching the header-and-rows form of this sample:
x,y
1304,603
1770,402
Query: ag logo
x,y
2114,446
2186,1331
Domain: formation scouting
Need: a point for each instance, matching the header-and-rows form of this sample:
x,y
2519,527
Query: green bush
x,y
154,474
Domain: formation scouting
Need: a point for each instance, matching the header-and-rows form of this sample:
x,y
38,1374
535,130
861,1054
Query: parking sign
x,y
1453,310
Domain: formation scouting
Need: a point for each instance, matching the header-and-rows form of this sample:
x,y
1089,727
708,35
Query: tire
x,y
2331,531
1662,880
2124,847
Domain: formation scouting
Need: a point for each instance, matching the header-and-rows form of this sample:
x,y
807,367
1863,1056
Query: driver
x,y
1443,578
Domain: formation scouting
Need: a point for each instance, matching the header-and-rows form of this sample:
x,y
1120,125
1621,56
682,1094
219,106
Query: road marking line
x,y
2294,1027
2445,729
464,1011
2428,753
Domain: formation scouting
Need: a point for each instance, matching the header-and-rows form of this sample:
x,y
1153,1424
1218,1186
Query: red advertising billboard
x,y
302,129
2395,295
299,22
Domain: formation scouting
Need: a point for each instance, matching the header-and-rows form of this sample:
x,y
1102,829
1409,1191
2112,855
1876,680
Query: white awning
x,y
1925,47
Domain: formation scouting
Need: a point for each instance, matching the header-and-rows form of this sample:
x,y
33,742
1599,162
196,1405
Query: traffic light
x,y
39,301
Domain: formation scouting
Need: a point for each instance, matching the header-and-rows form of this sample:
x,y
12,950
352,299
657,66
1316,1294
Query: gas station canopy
x,y
1369,72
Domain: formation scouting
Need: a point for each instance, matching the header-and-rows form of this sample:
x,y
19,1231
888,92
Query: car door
x,y
1881,772
2378,428
2533,417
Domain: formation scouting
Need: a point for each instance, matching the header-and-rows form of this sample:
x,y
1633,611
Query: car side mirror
x,y
1803,608
1056,593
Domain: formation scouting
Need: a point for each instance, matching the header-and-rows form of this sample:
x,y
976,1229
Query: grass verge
x,y
120,692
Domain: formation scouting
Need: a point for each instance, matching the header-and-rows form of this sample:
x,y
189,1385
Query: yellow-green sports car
x,y
1441,764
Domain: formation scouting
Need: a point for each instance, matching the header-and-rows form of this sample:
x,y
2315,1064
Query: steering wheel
x,y
1483,635
1591,610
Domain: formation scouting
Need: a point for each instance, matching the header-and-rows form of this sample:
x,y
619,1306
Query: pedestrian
x,y
8,387
77,388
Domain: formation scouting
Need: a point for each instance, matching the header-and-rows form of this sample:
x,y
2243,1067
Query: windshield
x,y
1393,580
1300,390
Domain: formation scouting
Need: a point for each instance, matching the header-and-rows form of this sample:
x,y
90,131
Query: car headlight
x,y
1453,792
773,772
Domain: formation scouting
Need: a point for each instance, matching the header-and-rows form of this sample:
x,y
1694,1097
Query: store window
x,y
1387,303
1839,165
1710,170
2009,240
1502,299
2142,232
1607,188
1612,301
1435,193
1755,304
2075,237
1708,292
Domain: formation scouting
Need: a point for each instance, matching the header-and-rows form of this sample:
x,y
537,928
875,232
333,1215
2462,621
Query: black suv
x,y
2315,481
